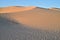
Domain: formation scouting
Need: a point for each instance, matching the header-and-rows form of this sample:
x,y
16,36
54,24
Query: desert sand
x,y
29,23
34,16
16,9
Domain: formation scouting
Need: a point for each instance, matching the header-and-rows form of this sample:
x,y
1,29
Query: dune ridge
x,y
57,9
15,9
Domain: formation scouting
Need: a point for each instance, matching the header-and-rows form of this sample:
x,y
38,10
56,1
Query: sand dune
x,y
29,23
12,30
15,9
57,9
37,17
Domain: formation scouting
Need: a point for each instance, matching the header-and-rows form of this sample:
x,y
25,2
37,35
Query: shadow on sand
x,y
11,30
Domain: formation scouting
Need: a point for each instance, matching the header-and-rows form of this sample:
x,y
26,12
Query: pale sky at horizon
x,y
39,3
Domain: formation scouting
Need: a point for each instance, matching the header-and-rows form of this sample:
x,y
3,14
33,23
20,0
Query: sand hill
x,y
57,9
15,9
29,23
34,16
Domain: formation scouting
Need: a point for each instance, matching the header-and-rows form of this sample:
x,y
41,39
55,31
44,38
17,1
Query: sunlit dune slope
x,y
15,9
39,18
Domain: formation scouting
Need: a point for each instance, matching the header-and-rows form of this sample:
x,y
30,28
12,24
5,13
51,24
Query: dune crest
x,y
57,9
15,9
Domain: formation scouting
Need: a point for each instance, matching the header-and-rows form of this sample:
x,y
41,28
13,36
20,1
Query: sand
x,y
29,23
16,9
34,16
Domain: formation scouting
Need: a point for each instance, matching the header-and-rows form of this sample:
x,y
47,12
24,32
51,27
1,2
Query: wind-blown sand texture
x,y
29,23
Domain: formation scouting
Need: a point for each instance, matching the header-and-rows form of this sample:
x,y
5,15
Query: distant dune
x,y
57,9
20,23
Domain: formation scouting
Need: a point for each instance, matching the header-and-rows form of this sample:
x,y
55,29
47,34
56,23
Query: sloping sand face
x,y
15,9
38,18
40,21
11,30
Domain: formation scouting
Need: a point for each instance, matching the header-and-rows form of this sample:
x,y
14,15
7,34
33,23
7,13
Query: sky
x,y
39,3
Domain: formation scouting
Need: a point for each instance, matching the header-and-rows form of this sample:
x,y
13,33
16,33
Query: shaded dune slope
x,y
12,30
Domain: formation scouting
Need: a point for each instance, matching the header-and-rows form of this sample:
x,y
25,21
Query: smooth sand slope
x,y
29,23
15,9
